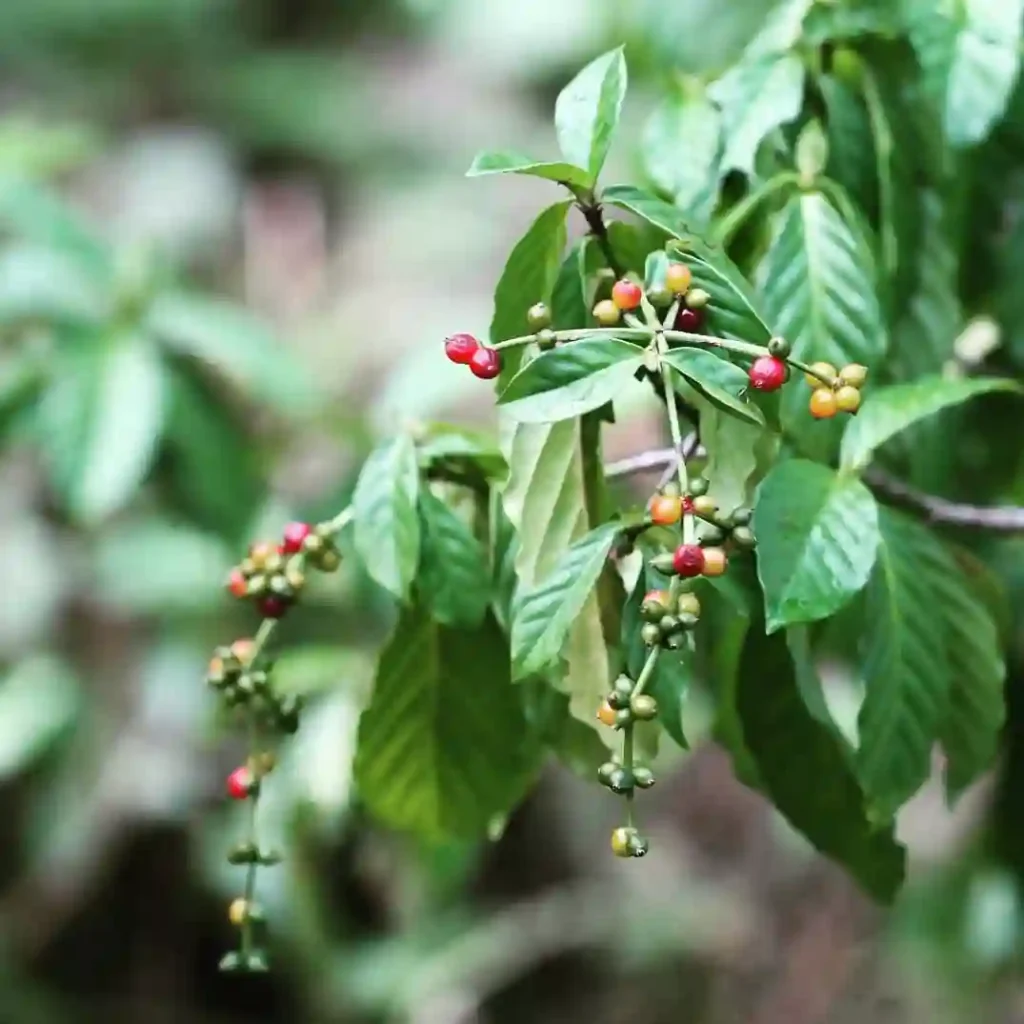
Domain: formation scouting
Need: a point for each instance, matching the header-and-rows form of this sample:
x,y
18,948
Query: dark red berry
x,y
688,560
239,783
237,584
767,374
689,320
294,535
460,348
273,607
485,363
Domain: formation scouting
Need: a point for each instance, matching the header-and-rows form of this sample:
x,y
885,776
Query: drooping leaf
x,y
817,535
906,665
443,442
970,58
852,160
508,162
545,612
889,410
803,768
722,383
38,283
570,299
440,748
387,528
587,112
756,97
571,380
100,421
738,455
454,580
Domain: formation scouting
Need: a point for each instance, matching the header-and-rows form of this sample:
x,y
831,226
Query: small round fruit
x,y
654,606
237,583
741,516
822,373
704,506
260,552
848,66
767,374
848,398
668,625
855,375
605,772
626,294
244,649
697,298
546,339
637,845
606,714
643,777
294,536
715,561
486,363
623,717
650,634
663,563
607,313
273,607
688,560
659,296
665,510
328,560
678,278
621,841
698,486
688,604
687,621
460,348
538,316
712,535
823,404
778,347
238,912
690,321
743,537
620,780
624,686
644,707
239,783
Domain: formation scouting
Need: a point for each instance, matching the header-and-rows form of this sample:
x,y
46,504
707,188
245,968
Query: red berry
x,y
273,607
237,584
626,294
460,348
239,783
689,320
767,374
485,363
688,560
687,505
294,535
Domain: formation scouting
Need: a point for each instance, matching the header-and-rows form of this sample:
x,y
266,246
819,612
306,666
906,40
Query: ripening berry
x,y
237,583
244,649
460,348
538,316
239,783
626,295
665,509
823,404
704,506
767,374
689,320
715,562
294,536
259,554
678,278
824,373
654,606
848,398
854,375
273,607
688,560
238,912
697,298
485,363
620,841
688,604
607,313
606,714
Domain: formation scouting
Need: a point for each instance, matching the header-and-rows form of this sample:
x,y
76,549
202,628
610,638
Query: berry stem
x,y
742,348
252,839
576,334
688,523
643,679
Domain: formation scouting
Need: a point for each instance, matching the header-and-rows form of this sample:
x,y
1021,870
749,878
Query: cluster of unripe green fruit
x,y
243,686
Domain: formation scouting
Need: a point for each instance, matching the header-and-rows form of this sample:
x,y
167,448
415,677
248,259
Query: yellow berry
x,y
715,562
620,842
689,604
848,398
606,714
238,912
824,373
704,506
823,404
678,278
854,375
607,313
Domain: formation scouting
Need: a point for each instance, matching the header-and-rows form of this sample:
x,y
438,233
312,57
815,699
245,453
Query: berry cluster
x,y
835,391
627,295
483,362
243,686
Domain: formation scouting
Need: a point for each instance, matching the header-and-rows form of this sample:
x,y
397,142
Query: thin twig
x,y
591,210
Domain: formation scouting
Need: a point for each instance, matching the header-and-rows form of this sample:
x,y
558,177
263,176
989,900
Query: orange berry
x,y
824,374
678,278
715,562
666,509
848,398
237,584
607,313
626,294
823,404
606,714
243,649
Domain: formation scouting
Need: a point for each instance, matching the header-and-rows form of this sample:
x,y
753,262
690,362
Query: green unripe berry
x,y
697,298
664,563
257,585
605,773
650,634
538,316
328,560
687,620
644,707
779,348
668,625
624,686
688,604
652,610
546,339
741,517
698,486
620,780
623,717
743,537
704,506
637,845
643,777
712,535
617,700
279,585
659,296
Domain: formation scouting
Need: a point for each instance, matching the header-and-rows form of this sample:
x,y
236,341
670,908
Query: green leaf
x,y
818,290
571,380
528,277
570,297
387,530
970,57
100,421
852,160
650,208
906,665
37,283
718,380
507,162
442,442
889,410
545,613
756,97
587,112
817,537
21,381
803,768
440,748
454,579
738,454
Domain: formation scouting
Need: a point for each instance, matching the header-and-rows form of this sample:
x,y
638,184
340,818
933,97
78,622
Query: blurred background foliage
x,y
233,233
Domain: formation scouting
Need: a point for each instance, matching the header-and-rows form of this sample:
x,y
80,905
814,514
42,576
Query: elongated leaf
x,y
852,160
528,277
970,58
738,455
454,579
888,411
440,749
906,665
817,537
507,162
387,529
545,613
571,380
587,112
803,768
651,208
570,307
755,98
48,285
100,422
235,343
721,382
